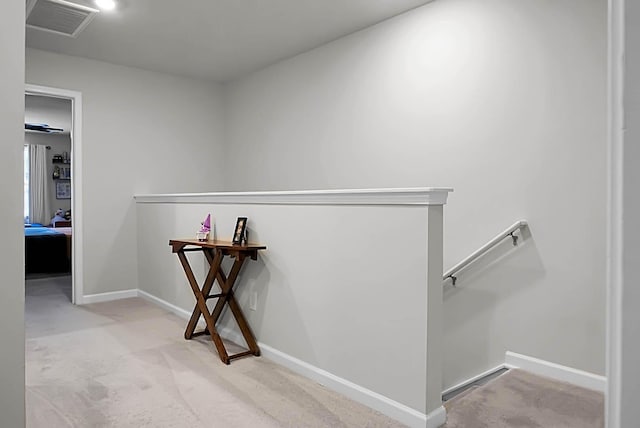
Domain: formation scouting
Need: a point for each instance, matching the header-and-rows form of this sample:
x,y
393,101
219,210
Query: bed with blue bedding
x,y
45,250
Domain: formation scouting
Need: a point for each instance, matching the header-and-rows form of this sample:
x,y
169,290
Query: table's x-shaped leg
x,y
224,297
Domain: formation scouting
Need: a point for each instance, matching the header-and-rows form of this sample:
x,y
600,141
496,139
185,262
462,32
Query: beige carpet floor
x,y
518,399
126,364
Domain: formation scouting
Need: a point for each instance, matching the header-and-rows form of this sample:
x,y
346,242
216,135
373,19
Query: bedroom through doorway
x,y
52,219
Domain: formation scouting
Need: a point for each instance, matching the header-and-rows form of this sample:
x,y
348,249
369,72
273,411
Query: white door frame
x,y
615,210
77,293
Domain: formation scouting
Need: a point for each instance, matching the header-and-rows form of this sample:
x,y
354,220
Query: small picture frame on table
x,y
239,234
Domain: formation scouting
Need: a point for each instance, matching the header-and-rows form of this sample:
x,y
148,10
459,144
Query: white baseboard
x,y
384,405
437,418
165,305
391,408
106,297
387,406
556,371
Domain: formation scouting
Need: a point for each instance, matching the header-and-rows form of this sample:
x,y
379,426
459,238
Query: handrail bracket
x,y
515,238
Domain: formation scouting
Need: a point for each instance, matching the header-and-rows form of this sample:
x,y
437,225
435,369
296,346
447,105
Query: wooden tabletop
x,y
177,244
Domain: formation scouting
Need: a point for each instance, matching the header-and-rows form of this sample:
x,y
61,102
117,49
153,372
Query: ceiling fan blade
x,y
41,127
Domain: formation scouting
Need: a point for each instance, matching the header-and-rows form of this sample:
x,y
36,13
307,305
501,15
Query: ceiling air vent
x,y
59,16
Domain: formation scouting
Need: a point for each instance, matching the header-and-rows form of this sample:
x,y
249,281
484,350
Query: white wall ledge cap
x,y
394,196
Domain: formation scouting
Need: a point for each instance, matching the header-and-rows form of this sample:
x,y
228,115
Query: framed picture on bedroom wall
x,y
63,190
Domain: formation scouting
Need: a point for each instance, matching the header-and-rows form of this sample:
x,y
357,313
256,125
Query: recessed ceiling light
x,y
106,4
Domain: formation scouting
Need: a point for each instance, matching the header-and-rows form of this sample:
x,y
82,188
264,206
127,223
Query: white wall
x,y
350,289
12,249
142,132
312,307
505,101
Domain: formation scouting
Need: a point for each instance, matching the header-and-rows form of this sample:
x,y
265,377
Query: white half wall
x,y
12,376
503,100
353,289
142,132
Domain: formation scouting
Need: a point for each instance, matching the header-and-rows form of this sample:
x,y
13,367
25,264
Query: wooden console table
x,y
215,252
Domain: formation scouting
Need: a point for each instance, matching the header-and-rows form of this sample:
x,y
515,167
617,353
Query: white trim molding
x,y
387,406
400,196
372,399
556,371
107,297
437,418
182,313
615,211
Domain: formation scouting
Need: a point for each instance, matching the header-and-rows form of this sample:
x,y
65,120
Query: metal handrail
x,y
486,247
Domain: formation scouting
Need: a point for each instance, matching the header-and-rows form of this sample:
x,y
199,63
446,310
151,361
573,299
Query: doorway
x,y
74,165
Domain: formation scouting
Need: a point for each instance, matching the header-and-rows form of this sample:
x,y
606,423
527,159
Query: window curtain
x,y
39,191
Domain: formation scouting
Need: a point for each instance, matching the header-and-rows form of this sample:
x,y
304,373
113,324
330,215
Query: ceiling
x,y
217,40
